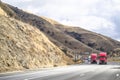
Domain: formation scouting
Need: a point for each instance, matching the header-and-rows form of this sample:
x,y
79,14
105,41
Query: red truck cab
x,y
102,58
93,58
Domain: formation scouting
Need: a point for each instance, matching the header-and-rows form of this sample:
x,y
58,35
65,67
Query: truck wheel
x,y
106,63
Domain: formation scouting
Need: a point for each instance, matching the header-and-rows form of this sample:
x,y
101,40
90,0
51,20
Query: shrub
x,y
91,44
48,32
66,41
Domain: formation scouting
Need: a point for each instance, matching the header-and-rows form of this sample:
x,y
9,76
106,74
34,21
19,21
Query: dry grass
x,y
24,47
50,20
114,59
6,9
48,27
99,41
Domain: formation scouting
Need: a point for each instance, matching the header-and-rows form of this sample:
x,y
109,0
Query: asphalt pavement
x,y
73,72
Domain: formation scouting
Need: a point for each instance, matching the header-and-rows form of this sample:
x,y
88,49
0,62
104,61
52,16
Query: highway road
x,y
73,72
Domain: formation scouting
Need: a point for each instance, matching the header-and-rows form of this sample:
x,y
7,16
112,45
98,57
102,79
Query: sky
x,y
101,16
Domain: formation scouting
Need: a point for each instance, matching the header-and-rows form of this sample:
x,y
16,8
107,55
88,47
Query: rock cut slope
x,y
23,46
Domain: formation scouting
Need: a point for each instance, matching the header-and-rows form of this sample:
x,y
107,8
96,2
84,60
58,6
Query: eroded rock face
x,y
24,47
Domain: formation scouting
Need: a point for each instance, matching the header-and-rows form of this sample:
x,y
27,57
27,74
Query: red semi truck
x,y
93,58
102,58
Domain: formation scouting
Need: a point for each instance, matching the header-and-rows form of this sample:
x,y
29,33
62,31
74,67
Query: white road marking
x,y
84,69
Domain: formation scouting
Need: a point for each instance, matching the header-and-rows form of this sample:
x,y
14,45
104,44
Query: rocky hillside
x,y
23,46
64,41
94,40
69,39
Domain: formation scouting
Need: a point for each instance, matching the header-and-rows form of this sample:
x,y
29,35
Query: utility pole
x,y
75,56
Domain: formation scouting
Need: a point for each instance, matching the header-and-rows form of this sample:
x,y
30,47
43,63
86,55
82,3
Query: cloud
x,y
94,23
101,16
119,40
16,1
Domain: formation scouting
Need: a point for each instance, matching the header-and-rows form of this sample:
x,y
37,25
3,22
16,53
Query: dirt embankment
x,y
24,47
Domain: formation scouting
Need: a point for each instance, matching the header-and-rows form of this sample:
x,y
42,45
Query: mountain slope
x,y
69,39
93,40
57,36
24,47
